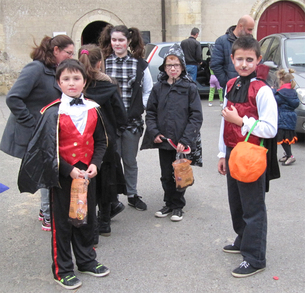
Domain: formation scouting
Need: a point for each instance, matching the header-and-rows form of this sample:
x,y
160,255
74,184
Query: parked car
x,y
287,50
154,55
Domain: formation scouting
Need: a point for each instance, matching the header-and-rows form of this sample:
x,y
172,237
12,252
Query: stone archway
x,y
85,20
261,6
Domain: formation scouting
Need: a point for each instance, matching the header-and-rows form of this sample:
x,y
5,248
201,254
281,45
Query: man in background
x,y
192,52
221,62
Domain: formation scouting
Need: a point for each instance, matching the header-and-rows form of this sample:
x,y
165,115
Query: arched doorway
x,y
92,32
280,17
99,16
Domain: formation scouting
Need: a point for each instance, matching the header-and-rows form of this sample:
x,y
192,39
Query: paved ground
x,y
151,255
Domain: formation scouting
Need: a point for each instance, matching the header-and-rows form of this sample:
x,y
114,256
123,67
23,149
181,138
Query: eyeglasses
x,y
169,66
70,53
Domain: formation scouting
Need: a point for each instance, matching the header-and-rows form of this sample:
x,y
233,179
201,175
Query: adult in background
x,y
221,62
192,53
35,88
135,82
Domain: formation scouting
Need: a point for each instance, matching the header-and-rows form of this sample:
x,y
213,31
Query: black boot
x,y
104,220
116,208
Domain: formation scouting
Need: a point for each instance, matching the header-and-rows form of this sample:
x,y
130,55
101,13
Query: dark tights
x,y
287,149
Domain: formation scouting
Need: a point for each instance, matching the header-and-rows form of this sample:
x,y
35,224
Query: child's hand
x,y
180,147
222,166
91,171
158,138
232,115
76,173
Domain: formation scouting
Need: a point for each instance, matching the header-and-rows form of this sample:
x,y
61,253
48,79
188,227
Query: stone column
x,y
184,15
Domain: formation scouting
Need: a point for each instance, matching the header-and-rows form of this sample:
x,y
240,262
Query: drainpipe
x,y
163,20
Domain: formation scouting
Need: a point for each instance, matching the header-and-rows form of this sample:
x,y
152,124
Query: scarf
x,y
239,91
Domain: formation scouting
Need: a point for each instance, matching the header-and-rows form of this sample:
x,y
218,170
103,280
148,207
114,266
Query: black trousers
x,y
249,217
65,235
174,199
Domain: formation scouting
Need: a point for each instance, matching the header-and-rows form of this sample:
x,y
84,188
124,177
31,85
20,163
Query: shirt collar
x,y
121,60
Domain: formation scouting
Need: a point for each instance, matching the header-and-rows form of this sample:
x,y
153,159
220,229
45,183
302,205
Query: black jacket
x,y
113,111
175,112
110,180
221,62
192,51
41,164
136,106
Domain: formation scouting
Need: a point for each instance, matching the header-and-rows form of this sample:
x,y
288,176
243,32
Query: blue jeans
x,y
249,217
192,71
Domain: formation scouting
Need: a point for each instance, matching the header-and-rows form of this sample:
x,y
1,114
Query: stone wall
x,y
22,22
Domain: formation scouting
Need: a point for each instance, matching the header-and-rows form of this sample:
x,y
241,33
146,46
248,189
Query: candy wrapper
x,y
78,202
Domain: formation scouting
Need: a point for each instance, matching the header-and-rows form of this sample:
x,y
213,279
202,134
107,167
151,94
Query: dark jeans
x,y
249,217
174,199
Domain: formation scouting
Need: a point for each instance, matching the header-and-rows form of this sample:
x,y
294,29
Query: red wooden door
x,y
281,17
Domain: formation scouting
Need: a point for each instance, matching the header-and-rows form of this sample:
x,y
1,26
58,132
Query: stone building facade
x,y
22,22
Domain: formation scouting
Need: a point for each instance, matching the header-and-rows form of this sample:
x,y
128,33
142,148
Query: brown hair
x,y
44,51
287,77
90,55
132,34
72,65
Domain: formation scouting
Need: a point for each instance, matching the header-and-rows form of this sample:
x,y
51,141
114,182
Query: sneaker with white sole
x,y
210,104
245,270
164,212
46,224
69,282
137,203
231,249
177,215
98,271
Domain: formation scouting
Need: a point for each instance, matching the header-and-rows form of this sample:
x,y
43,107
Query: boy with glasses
x,y
173,111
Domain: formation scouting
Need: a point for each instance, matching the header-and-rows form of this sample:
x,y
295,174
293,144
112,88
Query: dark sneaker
x,y
98,271
289,161
245,270
137,203
46,224
40,216
177,215
116,208
164,212
231,249
69,282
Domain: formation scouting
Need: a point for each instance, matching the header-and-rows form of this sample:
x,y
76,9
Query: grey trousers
x,y
128,145
45,202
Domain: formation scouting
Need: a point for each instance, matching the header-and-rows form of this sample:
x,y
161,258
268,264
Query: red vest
x,y
232,132
73,146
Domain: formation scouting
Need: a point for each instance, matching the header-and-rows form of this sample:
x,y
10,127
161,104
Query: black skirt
x,y
286,136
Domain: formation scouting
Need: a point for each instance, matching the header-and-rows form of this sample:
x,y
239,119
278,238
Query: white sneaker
x,y
210,104
289,161
221,104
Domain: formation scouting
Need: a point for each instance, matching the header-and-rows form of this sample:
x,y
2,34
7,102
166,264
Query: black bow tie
x,y
76,101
